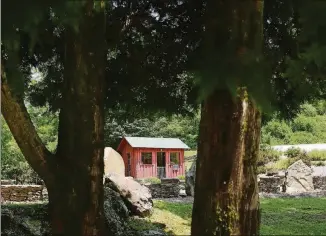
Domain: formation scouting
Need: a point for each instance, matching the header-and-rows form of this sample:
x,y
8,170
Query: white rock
x,y
299,178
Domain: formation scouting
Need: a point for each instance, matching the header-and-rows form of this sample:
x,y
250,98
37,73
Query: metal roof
x,y
142,142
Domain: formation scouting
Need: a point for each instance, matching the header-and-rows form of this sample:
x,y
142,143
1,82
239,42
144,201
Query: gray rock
x,y
116,214
299,178
137,197
190,180
11,225
182,193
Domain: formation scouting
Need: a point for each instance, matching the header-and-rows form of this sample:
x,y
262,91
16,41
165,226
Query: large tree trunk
x,y
226,195
226,192
74,174
76,197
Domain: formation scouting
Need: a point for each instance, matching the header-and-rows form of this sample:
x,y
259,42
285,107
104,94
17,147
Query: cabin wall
x,y
170,171
145,170
150,170
128,149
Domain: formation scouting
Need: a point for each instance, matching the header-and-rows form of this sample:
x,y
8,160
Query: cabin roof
x,y
144,142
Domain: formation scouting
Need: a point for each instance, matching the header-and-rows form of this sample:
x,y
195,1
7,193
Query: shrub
x,y
282,164
261,170
320,163
279,130
152,180
293,152
181,177
267,154
317,155
308,110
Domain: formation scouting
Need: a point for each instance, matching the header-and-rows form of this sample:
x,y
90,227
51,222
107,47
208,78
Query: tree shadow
x,y
183,210
143,224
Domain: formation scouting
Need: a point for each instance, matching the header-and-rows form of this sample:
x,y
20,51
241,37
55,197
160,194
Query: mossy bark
x,y
74,174
226,191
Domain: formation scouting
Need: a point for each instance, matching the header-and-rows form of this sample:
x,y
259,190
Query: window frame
x,y
178,158
142,158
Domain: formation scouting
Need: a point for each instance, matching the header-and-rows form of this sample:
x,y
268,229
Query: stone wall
x,y
319,182
275,184
270,184
23,193
168,188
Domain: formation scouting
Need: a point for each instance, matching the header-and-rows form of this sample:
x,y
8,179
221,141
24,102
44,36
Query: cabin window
x,y
175,158
146,158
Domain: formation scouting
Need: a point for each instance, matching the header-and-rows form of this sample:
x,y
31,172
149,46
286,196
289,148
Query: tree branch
x,y
15,113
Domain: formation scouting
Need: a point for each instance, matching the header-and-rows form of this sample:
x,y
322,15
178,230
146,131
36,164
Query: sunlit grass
x,y
299,216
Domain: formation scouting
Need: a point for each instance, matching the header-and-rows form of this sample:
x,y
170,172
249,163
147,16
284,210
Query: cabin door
x,y
128,164
161,161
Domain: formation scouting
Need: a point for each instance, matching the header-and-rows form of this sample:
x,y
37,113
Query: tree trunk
x,y
74,174
76,197
226,191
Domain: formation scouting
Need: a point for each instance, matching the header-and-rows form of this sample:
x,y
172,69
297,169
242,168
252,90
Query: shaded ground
x,y
280,216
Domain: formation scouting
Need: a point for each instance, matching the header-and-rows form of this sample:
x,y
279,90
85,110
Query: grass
x,y
188,159
301,216
317,155
190,153
295,216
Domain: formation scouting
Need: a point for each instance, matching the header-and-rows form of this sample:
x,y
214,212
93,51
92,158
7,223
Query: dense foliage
x,y
14,165
309,126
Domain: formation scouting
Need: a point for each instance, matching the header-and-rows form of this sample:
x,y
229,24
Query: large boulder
x,y
299,178
190,180
13,225
116,214
137,197
33,219
113,162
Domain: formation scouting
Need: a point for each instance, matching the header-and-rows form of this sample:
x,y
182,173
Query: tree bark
x,y
19,122
74,174
226,191
76,198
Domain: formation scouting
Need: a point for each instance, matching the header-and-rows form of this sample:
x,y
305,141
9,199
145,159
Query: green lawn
x,y
301,216
304,216
188,160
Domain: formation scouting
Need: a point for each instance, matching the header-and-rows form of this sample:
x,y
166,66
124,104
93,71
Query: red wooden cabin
x,y
153,157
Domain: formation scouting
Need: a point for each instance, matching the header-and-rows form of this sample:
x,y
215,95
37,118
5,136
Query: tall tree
x,y
230,125
92,53
74,174
226,192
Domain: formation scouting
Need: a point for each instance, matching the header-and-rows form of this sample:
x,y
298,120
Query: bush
x,y
282,164
261,170
320,163
308,110
267,154
277,130
317,155
152,180
294,152
181,177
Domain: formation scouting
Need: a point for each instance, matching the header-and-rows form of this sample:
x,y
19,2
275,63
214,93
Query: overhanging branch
x,y
15,113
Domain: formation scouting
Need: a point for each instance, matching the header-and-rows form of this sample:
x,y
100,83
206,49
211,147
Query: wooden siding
x,y
140,170
150,170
